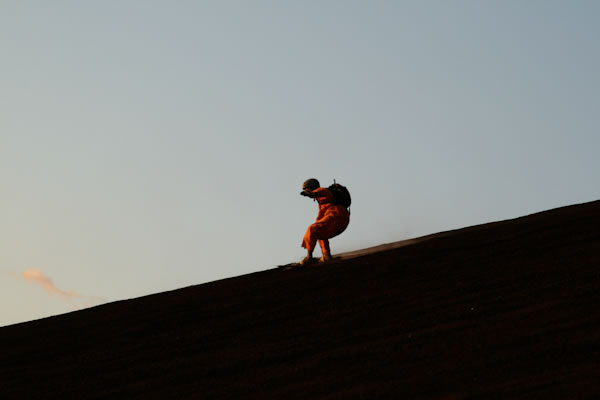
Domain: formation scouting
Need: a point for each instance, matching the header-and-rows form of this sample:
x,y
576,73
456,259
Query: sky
x,y
147,146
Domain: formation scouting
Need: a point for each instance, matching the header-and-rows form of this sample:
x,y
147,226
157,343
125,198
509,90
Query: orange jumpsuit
x,y
331,221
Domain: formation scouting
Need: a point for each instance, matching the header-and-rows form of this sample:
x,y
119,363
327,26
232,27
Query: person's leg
x,y
321,231
325,250
309,242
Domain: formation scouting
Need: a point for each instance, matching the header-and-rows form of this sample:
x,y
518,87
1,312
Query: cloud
x,y
37,277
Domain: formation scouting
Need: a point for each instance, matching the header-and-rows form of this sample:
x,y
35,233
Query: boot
x,y
307,260
326,257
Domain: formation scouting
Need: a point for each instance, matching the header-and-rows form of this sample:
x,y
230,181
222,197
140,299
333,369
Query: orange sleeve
x,y
323,195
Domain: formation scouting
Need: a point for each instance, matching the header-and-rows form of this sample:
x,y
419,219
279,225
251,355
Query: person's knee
x,y
315,230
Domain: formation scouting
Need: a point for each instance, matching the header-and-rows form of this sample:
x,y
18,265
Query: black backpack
x,y
341,195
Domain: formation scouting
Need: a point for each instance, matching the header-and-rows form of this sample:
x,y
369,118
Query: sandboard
x,y
317,263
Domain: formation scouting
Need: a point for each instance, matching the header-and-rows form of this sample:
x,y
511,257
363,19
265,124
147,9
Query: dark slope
x,y
503,310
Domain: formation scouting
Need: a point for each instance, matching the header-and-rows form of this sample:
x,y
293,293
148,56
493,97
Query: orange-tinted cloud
x,y
75,300
35,275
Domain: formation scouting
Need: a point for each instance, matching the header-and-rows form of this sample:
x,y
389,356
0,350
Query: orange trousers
x,y
331,225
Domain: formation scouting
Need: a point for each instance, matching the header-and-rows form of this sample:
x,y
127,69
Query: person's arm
x,y
307,193
322,195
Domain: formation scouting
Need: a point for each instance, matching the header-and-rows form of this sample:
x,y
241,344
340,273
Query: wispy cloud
x,y
37,277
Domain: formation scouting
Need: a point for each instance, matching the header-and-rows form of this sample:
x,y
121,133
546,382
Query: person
x,y
332,220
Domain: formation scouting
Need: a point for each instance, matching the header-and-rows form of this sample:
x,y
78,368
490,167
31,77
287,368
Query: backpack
x,y
341,195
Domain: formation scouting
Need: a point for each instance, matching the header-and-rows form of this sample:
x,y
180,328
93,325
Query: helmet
x,y
311,184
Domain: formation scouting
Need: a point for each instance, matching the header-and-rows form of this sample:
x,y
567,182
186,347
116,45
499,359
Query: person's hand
x,y
307,193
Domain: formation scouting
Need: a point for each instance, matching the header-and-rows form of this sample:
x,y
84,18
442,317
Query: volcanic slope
x,y
503,310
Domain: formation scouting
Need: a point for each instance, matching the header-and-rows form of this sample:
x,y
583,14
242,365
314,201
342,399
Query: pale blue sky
x,y
151,145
